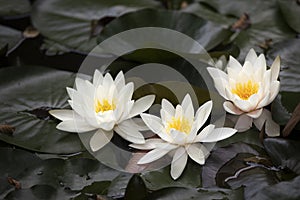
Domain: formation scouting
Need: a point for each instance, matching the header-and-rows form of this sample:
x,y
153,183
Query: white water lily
x,y
177,129
105,105
248,89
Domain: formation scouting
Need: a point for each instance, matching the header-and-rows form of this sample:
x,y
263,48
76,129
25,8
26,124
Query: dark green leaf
x,y
284,152
14,7
27,93
265,18
135,184
10,37
186,23
75,24
159,179
290,10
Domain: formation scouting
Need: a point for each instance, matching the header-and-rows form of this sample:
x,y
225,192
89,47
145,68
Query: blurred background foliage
x,y
42,45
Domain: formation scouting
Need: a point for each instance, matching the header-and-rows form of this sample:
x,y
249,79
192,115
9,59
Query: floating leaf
x,y
10,37
73,24
27,93
290,10
14,7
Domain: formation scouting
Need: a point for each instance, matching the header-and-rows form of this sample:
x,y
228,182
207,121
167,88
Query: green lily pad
x,y
289,76
265,18
76,26
186,23
9,38
14,7
160,179
180,193
27,93
284,153
290,10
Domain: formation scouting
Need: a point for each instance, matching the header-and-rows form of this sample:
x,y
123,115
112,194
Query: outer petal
x,y
202,114
217,73
251,56
98,78
154,124
275,68
219,134
274,91
129,133
195,152
178,163
272,128
232,109
168,107
243,105
204,133
155,154
120,81
141,105
186,102
220,85
243,123
149,144
75,126
234,64
63,114
255,114
100,139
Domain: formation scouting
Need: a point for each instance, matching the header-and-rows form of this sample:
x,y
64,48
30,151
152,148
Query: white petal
x,y
260,67
272,128
195,152
80,84
165,117
204,133
186,102
217,73
106,120
149,144
100,139
70,92
243,123
234,64
168,107
255,114
98,78
120,81
139,124
153,155
220,85
178,163
178,111
275,68
141,105
78,126
125,94
274,90
219,134
243,105
247,69
63,114
178,137
202,114
251,56
127,131
232,109
155,125
107,80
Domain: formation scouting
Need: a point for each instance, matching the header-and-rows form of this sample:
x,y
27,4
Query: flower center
x,y
245,90
179,124
104,106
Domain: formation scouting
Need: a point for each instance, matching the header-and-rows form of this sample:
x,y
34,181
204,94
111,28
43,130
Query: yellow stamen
x,y
245,90
179,124
104,106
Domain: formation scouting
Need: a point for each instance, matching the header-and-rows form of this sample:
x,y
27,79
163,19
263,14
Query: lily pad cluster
x,y
42,44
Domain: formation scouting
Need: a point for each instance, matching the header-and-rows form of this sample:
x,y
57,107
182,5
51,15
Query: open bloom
x,y
105,105
248,89
177,129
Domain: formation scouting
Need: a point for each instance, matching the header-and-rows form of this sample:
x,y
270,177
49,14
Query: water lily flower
x,y
248,89
178,131
105,105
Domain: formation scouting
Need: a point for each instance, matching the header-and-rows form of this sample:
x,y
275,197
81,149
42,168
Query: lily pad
x,y
290,10
186,23
75,27
285,153
255,22
27,93
14,7
9,37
